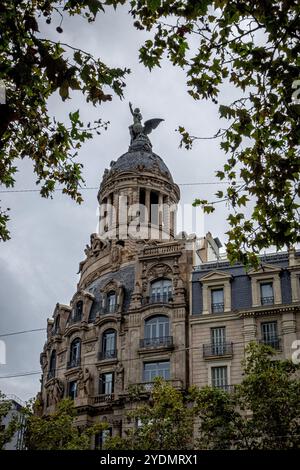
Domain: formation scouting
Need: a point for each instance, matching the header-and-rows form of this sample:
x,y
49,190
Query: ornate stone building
x,y
151,304
128,319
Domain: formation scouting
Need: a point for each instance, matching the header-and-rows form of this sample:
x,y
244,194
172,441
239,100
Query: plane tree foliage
x,y
58,430
253,47
8,421
35,64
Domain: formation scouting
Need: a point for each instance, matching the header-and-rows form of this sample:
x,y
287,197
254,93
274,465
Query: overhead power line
x,y
33,190
130,359
21,332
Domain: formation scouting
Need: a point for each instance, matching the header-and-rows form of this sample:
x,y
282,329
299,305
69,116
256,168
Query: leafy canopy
x,y
261,413
254,47
164,423
58,431
7,430
33,68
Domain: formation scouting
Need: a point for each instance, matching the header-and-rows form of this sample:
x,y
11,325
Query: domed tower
x,y
127,321
138,197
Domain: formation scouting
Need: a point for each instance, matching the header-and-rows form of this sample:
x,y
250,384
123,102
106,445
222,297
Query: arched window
x,y
111,302
56,328
157,331
75,351
161,290
52,365
108,349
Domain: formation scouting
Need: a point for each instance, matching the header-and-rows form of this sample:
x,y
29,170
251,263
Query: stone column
x,y
109,211
147,204
288,333
160,214
249,330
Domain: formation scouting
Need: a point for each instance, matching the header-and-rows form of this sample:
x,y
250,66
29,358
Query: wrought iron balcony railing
x,y
158,342
103,398
109,309
217,307
158,299
226,388
143,387
75,319
73,363
218,349
267,300
109,354
273,342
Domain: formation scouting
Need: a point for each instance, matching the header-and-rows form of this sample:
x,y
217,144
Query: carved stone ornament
x,y
90,347
159,270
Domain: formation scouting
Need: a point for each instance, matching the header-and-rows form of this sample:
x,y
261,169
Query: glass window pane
x,y
156,369
219,376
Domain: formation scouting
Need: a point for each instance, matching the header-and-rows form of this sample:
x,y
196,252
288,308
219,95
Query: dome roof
x,y
140,159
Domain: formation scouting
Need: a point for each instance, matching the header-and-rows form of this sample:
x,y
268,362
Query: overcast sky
x,y
38,265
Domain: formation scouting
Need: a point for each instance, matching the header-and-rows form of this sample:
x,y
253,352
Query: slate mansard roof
x,y
241,292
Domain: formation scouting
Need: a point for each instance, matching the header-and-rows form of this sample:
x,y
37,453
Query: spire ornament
x,y
139,132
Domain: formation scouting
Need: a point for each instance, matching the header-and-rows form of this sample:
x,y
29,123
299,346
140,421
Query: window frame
x,y
75,362
108,353
157,363
103,383
163,290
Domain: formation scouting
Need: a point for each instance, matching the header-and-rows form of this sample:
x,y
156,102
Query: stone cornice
x,y
271,310
208,318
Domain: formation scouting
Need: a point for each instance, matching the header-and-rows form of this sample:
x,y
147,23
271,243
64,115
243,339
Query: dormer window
x,y
77,312
111,302
217,300
161,291
266,293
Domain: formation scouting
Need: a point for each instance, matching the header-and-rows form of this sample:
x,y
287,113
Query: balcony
x,y
105,355
225,388
158,299
159,342
146,387
272,342
217,349
267,300
109,310
217,307
75,319
103,398
74,363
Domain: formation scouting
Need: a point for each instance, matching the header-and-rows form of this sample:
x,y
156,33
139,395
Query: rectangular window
x,y
73,389
101,437
266,293
106,383
219,377
156,369
218,340
217,300
270,334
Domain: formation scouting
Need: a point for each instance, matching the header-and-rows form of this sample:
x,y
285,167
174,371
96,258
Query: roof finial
x,y
137,130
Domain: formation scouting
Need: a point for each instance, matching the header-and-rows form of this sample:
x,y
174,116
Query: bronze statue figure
x,y
137,128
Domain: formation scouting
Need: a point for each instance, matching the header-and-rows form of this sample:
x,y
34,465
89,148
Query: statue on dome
x,y
137,130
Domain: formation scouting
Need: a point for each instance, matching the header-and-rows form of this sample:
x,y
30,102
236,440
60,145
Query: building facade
x,y
15,413
231,307
142,309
